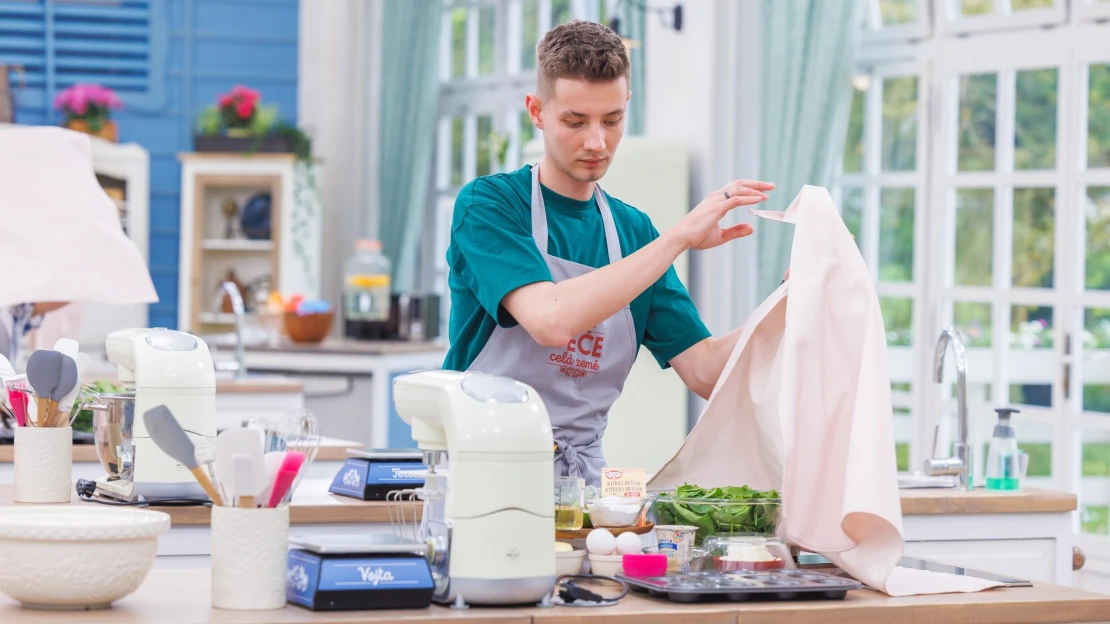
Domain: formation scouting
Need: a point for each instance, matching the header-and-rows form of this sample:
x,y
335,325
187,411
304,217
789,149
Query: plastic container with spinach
x,y
719,511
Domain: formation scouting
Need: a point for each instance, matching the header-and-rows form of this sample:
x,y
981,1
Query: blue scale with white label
x,y
357,572
370,475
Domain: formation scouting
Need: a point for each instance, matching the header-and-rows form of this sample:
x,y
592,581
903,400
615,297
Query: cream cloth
x,y
60,236
803,406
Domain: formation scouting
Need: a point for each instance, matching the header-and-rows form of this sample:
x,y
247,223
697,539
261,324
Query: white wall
x,y
702,90
337,98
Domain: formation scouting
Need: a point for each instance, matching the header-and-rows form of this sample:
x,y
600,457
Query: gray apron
x,y
578,382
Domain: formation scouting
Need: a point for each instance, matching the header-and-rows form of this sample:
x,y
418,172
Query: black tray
x,y
738,586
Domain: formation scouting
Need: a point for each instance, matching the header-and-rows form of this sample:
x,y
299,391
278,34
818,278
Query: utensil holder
x,y
249,550
43,464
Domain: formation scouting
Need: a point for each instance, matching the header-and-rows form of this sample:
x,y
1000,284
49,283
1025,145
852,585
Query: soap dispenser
x,y
1003,469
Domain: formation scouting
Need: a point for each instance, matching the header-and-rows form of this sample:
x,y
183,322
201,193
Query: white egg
x,y
601,542
629,543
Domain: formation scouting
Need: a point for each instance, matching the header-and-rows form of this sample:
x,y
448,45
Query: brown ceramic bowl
x,y
309,327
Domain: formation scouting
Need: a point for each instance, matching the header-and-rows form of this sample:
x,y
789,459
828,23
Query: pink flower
x,y
245,108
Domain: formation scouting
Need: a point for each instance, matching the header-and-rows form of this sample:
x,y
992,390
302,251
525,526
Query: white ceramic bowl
x,y
607,565
77,556
569,562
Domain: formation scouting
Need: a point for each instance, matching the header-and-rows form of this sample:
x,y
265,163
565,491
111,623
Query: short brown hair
x,y
583,51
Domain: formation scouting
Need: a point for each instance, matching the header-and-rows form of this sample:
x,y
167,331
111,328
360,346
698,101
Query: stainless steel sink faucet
x,y
237,307
959,465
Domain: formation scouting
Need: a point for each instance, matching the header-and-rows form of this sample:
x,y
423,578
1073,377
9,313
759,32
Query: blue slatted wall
x,y
167,59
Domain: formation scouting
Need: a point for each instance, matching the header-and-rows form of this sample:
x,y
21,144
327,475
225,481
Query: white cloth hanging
x,y
803,406
60,235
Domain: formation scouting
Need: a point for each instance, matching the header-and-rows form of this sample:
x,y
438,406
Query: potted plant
x,y
239,122
87,108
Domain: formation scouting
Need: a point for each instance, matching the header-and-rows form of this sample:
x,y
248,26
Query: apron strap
x,y
575,456
539,219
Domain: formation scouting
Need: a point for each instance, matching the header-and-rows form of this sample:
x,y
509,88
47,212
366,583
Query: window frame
x,y
1090,10
950,22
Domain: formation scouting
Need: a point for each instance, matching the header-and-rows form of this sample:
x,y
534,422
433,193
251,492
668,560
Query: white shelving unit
x,y
290,258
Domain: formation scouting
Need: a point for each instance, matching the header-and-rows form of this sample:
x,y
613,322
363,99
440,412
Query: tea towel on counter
x,y
60,232
803,406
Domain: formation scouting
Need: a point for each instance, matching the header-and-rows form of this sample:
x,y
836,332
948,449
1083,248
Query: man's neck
x,y
553,178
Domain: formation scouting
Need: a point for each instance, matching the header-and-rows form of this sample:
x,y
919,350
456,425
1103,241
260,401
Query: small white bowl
x,y
606,565
569,562
76,556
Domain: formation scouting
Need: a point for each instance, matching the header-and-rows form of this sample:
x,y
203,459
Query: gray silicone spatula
x,y
52,375
171,438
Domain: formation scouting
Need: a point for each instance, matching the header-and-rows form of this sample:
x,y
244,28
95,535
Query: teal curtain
x,y
410,88
809,50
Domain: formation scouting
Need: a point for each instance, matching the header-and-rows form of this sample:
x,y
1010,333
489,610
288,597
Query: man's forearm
x,y
559,312
701,365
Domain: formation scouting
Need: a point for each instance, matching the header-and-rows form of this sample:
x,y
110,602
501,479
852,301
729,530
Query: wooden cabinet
x,y
217,244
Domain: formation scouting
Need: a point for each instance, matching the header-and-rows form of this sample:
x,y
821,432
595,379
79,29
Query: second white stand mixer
x,y
494,533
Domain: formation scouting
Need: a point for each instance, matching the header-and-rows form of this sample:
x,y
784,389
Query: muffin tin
x,y
738,586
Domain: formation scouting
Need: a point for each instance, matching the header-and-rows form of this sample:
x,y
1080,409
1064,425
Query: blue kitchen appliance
x,y
371,474
357,572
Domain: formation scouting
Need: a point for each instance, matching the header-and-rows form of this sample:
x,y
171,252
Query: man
x,y
556,284
17,320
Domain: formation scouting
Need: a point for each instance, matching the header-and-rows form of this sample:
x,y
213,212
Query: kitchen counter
x,y
355,347
184,596
331,449
950,501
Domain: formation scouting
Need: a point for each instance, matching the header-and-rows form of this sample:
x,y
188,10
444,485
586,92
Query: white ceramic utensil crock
x,y
76,556
43,464
249,549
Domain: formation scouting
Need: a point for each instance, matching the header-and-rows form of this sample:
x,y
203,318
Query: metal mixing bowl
x,y
113,418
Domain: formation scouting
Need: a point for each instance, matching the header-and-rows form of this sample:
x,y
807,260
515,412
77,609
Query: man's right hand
x,y
701,229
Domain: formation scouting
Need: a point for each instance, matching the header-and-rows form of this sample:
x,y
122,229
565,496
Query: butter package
x,y
624,482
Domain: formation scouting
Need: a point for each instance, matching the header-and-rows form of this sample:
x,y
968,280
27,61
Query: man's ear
x,y
535,109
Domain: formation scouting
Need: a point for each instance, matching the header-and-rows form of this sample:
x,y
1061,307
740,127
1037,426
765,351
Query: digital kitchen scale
x,y
358,572
372,474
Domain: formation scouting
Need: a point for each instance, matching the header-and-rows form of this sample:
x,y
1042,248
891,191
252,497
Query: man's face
x,y
582,125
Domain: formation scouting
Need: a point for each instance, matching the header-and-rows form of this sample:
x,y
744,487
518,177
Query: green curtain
x,y
410,88
809,51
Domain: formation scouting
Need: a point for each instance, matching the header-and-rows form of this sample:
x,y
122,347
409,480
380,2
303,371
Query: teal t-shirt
x,y
492,253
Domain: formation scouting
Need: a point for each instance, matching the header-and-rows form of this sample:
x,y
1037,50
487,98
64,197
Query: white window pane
x,y
852,212
1094,503
458,43
1025,5
1031,358
976,7
483,145
1034,239
898,320
978,101
457,150
894,12
899,124
1096,208
973,319
487,38
1098,116
853,145
896,216
560,12
1096,360
1035,123
974,237
529,25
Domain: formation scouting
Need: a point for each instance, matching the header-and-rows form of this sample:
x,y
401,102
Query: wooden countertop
x,y
186,595
331,449
313,504
351,347
949,501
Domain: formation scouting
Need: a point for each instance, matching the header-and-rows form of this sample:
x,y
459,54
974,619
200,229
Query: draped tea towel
x,y
803,406
60,234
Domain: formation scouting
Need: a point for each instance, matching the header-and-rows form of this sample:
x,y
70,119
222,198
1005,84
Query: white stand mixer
x,y
495,541
170,368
